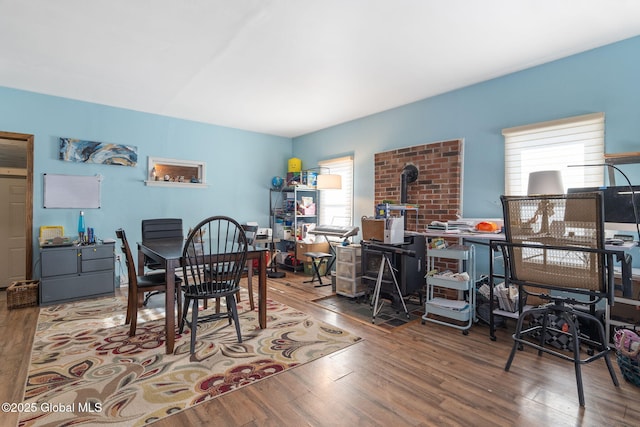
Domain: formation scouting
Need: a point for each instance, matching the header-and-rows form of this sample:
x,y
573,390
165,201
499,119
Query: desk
x,y
168,252
486,238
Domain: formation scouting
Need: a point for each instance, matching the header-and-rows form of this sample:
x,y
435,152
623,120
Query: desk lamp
x,y
329,182
544,182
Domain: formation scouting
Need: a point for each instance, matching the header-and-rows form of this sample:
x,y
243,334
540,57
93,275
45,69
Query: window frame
x,y
330,200
542,140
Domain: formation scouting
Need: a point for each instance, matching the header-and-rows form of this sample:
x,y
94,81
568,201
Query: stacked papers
x,y
450,226
507,297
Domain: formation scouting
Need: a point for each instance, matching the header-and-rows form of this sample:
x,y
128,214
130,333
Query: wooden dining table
x,y
168,253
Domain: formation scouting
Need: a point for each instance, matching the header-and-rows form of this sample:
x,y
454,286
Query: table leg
x,y
170,312
140,263
262,292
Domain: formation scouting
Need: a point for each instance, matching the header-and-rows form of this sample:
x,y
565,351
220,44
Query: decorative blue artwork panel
x,y
75,150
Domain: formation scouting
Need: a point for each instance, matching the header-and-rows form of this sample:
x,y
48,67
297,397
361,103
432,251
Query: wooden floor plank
x,y
417,375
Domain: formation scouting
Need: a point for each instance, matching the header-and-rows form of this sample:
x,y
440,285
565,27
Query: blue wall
x,y
605,79
239,164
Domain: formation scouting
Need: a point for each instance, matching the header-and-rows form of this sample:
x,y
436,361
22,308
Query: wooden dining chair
x,y
212,268
138,285
251,231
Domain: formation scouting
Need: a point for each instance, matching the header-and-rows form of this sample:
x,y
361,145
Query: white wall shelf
x,y
165,172
175,184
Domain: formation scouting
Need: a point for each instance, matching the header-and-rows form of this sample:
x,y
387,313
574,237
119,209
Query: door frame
x,y
28,223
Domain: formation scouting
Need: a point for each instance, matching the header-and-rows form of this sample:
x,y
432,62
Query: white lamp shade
x,y
545,182
329,182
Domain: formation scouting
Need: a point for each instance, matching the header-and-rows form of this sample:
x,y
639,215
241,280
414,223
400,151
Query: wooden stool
x,y
317,259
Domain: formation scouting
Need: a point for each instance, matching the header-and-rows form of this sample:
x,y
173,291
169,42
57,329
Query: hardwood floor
x,y
416,375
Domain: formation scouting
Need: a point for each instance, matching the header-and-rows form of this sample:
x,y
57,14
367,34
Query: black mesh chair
x,y
138,285
159,228
554,250
214,257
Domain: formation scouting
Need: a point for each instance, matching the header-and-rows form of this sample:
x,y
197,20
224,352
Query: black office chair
x,y
159,228
138,285
554,249
212,268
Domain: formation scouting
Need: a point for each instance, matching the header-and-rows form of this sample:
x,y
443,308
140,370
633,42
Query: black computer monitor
x,y
619,213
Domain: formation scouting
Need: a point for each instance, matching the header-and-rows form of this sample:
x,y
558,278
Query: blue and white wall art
x,y
75,150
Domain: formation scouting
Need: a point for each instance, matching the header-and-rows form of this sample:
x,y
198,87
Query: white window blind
x,y
555,145
336,206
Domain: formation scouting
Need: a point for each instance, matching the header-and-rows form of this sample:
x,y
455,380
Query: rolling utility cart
x,y
463,309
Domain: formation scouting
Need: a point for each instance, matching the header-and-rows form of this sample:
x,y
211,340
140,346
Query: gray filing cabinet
x,y
76,272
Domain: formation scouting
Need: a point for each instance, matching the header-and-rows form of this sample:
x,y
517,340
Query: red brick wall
x,y
437,190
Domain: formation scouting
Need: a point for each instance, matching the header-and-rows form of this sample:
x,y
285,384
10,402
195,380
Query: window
x,y
336,206
555,145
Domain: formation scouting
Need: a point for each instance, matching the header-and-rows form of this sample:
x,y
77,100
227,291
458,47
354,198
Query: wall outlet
x,y
118,257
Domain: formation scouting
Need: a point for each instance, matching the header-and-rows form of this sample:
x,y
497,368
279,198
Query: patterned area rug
x,y
86,370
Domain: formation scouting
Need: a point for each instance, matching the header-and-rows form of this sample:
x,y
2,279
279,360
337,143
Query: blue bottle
x,y
81,228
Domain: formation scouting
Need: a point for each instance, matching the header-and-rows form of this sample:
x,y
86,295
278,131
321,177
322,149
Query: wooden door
x,y
12,229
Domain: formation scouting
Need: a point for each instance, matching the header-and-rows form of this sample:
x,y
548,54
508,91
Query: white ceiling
x,y
288,67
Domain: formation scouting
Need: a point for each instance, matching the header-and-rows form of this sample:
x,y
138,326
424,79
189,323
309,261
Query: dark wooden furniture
x,y
169,253
160,228
138,285
251,231
212,268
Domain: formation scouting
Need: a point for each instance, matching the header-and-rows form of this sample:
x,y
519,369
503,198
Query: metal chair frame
x,y
566,271
138,285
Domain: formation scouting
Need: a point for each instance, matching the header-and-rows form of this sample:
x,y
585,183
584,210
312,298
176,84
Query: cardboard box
x,y
302,248
373,229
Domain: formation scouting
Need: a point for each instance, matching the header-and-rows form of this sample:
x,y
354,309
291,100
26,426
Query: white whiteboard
x,y
71,191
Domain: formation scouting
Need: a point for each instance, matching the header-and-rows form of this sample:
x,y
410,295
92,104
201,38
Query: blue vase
x,y
81,228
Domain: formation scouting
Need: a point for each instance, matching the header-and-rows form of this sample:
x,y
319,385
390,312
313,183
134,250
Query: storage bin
x,y
348,271
23,293
308,268
629,368
350,253
350,288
